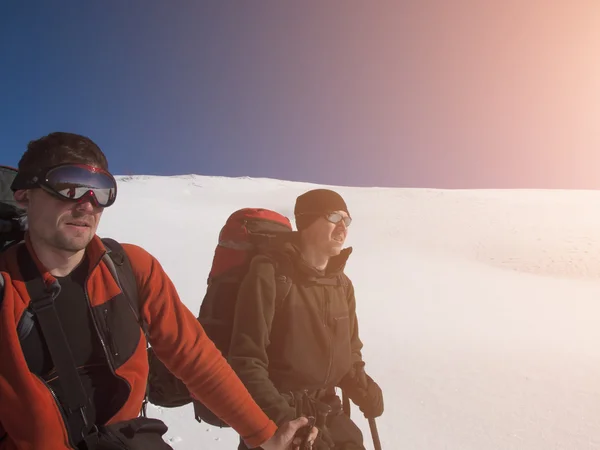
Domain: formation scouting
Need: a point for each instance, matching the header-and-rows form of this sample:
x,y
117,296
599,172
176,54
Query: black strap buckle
x,y
42,304
84,417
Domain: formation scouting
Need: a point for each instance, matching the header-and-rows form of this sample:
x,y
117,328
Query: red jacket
x,y
29,415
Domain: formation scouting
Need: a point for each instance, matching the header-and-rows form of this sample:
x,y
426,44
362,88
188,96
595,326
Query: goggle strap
x,y
23,181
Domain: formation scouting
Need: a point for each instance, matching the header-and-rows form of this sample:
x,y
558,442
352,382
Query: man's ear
x,y
22,197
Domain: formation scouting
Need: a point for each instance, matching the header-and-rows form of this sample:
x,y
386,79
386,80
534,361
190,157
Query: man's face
x,y
62,224
326,236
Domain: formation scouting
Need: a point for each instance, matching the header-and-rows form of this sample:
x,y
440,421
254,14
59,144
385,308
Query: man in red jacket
x,y
64,185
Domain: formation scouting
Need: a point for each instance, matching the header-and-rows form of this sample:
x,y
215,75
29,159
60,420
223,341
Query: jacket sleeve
x,y
349,380
252,323
181,343
5,442
3,436
355,343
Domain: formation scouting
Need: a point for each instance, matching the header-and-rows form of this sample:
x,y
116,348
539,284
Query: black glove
x,y
363,391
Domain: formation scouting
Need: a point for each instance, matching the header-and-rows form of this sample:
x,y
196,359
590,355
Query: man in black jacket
x,y
292,352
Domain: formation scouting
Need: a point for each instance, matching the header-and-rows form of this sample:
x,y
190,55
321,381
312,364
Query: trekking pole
x,y
374,434
346,404
304,444
323,410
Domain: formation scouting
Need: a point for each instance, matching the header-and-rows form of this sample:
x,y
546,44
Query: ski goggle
x,y
74,182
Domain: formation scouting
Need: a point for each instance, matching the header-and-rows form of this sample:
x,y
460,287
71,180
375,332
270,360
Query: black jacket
x,y
308,341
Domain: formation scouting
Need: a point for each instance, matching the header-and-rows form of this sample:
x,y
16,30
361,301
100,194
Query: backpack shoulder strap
x,y
283,285
283,276
120,267
1,290
42,305
2,281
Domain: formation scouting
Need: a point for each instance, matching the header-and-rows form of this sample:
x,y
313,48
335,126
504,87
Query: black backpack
x,y
13,221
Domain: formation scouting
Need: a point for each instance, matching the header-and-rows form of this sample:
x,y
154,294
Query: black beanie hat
x,y
312,204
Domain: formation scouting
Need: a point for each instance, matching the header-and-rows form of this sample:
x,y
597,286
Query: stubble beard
x,y
72,243
72,240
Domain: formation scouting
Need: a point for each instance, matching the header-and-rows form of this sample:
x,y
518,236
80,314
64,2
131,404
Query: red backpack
x,y
246,233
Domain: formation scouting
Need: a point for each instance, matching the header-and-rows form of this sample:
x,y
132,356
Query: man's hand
x,y
285,438
363,391
370,399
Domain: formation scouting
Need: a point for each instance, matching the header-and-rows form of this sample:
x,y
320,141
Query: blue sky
x,y
344,93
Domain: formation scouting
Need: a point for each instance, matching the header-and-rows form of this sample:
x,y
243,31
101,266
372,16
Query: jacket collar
x,y
334,267
95,251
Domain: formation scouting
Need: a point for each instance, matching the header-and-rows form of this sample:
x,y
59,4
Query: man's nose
x,y
85,204
342,224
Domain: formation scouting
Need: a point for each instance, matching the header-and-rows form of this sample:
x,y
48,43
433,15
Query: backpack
x,y
246,233
13,222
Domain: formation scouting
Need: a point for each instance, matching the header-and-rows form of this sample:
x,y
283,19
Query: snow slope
x,y
478,309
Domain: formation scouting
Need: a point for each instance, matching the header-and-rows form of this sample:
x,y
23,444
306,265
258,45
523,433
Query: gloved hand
x,y
363,391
